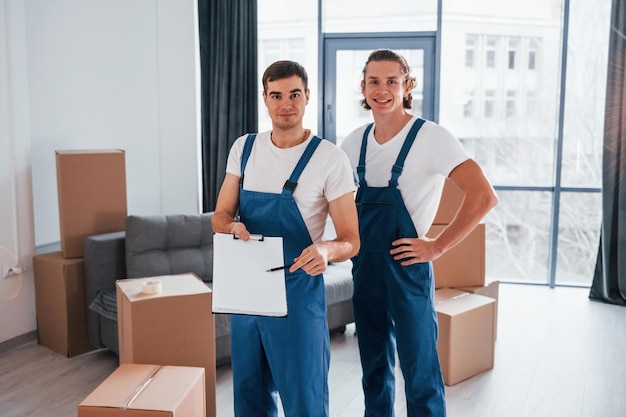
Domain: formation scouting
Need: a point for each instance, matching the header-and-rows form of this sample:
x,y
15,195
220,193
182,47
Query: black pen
x,y
278,268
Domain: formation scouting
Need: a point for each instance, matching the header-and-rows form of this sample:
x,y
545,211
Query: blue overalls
x,y
286,355
394,303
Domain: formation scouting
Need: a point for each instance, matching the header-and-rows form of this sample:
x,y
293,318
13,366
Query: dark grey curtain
x,y
228,68
609,281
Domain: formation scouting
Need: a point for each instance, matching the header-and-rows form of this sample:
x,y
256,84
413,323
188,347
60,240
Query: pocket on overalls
x,y
376,228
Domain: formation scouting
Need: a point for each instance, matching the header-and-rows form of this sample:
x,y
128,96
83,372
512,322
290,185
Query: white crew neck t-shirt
x,y
434,154
326,177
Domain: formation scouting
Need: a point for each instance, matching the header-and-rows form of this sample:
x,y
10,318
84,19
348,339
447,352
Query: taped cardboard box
x,y
466,345
451,199
464,264
148,390
490,290
60,303
175,326
91,187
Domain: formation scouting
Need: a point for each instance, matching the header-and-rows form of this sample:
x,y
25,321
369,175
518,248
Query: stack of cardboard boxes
x,y
466,307
166,351
91,189
173,325
177,330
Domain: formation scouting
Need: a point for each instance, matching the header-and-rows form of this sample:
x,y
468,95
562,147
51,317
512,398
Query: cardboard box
x,y
60,303
464,264
92,196
466,345
174,327
148,390
490,290
451,199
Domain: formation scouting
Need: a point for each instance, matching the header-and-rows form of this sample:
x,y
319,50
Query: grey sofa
x,y
176,244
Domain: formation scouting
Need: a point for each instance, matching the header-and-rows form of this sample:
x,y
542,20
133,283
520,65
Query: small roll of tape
x,y
152,287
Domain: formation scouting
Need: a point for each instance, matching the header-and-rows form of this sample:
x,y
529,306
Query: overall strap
x,y
360,169
292,182
397,168
247,149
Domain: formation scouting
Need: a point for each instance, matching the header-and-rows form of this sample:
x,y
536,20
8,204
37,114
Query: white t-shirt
x,y
434,154
326,177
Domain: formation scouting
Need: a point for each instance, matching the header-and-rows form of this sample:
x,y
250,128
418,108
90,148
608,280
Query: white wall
x,y
17,299
114,74
94,74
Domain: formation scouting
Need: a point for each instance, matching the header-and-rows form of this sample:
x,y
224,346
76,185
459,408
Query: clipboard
x,y
242,283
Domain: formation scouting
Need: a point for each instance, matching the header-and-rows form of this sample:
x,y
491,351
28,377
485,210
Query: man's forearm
x,y
342,248
222,222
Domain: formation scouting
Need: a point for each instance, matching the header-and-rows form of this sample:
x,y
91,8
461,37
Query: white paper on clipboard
x,y
241,283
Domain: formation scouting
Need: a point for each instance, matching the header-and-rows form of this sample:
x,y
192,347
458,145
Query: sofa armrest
x,y
105,263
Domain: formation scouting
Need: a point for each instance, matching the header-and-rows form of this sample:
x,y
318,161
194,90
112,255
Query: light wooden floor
x,y
557,354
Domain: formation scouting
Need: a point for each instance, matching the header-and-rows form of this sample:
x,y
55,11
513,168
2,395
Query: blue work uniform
x,y
393,304
289,355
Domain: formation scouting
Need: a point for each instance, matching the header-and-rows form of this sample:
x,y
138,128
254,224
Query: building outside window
x,y
468,107
511,96
470,50
489,102
532,54
490,51
513,47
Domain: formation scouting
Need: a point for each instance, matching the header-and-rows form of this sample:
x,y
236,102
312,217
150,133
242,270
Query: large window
x,y
544,161
535,127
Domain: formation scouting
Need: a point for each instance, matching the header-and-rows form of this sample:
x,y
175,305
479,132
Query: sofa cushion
x,y
338,282
167,245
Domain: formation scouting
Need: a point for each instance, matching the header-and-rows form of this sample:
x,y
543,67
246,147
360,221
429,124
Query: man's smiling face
x,y
383,86
286,100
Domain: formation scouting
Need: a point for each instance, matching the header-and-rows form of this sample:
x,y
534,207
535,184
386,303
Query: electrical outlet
x,y
9,271
6,271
